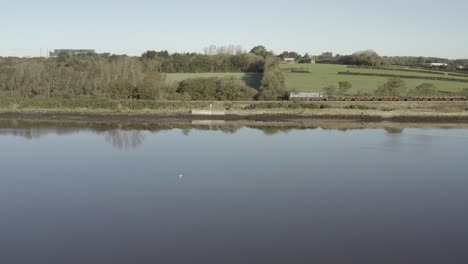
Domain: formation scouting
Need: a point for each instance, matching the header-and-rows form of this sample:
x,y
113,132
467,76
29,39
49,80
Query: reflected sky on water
x,y
96,194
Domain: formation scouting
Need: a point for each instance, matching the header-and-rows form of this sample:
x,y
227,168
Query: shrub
x,y
273,82
330,90
425,89
210,89
344,87
393,87
300,70
360,107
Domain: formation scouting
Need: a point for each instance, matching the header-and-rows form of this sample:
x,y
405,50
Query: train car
x,y
303,96
320,97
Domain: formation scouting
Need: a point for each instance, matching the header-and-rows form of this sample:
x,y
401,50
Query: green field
x,y
251,79
321,75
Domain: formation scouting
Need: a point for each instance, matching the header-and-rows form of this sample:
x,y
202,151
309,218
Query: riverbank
x,y
130,117
155,112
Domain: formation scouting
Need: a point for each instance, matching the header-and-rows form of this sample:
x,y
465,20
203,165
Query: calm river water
x,y
243,195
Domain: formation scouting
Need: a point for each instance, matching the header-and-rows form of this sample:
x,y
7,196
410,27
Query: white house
x,y
289,60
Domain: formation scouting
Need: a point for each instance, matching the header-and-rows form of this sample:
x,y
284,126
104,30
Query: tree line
x,y
164,62
144,77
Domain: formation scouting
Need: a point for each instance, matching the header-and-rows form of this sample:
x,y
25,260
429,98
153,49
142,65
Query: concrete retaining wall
x,y
208,112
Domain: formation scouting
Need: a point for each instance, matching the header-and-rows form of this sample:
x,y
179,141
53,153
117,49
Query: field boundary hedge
x,y
459,74
443,70
394,69
404,76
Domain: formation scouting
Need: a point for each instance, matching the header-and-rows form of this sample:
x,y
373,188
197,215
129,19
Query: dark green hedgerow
x,y
94,104
395,69
404,76
360,107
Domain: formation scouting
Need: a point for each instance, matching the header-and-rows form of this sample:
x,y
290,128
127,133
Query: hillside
x,y
313,77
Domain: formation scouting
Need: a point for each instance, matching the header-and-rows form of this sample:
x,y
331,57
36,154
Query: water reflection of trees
x,y
394,130
131,136
125,139
121,139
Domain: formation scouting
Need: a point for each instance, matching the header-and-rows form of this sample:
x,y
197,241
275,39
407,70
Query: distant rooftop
x,y
71,52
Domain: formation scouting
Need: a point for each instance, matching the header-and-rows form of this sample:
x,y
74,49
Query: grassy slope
x,y
251,79
323,74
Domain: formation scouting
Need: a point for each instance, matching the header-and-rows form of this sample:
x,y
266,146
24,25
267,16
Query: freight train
x,y
321,97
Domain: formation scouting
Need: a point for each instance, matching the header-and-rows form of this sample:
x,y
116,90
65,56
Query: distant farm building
x,y
306,96
438,64
70,52
289,60
460,67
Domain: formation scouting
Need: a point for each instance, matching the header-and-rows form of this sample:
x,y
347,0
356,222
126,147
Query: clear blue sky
x,y
396,27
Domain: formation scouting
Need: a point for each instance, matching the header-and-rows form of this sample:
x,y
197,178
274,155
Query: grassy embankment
x,y
109,109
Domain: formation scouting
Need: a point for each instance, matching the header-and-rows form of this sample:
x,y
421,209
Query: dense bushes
x,y
367,58
273,82
123,77
394,87
195,63
222,89
425,89
116,77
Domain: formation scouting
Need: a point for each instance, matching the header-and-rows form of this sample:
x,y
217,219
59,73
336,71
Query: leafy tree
x,y
149,55
344,87
393,87
464,92
232,89
330,90
425,89
225,89
290,54
261,51
199,89
326,56
273,82
367,58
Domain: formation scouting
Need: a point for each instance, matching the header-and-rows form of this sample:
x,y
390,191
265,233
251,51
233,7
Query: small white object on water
x,y
181,176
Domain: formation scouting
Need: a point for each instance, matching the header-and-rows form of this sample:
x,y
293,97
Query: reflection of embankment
x,y
126,136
